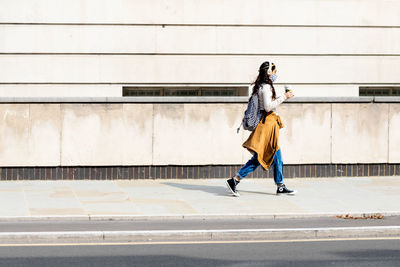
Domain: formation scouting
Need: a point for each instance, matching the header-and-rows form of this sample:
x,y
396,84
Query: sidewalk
x,y
205,198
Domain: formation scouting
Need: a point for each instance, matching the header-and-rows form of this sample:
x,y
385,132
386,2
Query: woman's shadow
x,y
221,190
215,190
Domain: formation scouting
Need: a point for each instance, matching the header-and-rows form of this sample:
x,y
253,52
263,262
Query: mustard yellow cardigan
x,y
264,140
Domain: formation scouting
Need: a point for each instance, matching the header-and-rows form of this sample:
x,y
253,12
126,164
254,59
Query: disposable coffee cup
x,y
287,89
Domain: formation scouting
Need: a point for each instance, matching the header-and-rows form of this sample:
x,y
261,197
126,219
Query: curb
x,y
188,217
201,235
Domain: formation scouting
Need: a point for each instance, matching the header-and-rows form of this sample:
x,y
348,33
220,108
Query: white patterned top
x,y
265,99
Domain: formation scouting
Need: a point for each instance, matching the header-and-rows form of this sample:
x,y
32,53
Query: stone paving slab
x,y
203,197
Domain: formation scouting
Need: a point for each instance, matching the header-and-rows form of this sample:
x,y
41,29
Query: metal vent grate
x,y
185,91
379,91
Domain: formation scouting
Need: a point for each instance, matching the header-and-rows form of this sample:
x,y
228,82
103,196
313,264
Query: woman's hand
x,y
288,94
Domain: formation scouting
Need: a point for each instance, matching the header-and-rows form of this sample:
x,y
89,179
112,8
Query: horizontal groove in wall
x,y
199,24
186,84
193,172
205,100
194,54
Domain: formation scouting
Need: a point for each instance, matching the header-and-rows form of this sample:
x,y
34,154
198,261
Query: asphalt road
x,y
287,253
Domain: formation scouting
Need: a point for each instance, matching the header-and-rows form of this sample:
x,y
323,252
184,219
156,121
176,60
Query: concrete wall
x,y
72,134
94,47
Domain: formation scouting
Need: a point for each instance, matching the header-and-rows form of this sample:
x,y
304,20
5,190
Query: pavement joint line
x,y
116,217
74,193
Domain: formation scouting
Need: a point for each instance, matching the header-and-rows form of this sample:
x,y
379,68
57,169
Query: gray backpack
x,y
252,115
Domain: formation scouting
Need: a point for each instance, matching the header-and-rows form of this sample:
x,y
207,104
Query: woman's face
x,y
273,75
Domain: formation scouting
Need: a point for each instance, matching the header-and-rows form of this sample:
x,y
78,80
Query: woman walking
x,y
263,141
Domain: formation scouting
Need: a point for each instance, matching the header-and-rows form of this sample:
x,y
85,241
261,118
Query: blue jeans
x,y
253,163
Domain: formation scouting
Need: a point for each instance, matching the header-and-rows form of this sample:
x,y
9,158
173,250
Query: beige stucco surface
x,y
171,68
191,39
191,134
91,134
60,90
30,134
14,129
107,134
289,12
44,134
394,133
96,47
136,138
306,135
360,133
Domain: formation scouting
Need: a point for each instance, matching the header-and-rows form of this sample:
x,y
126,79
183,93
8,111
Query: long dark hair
x,y
263,77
